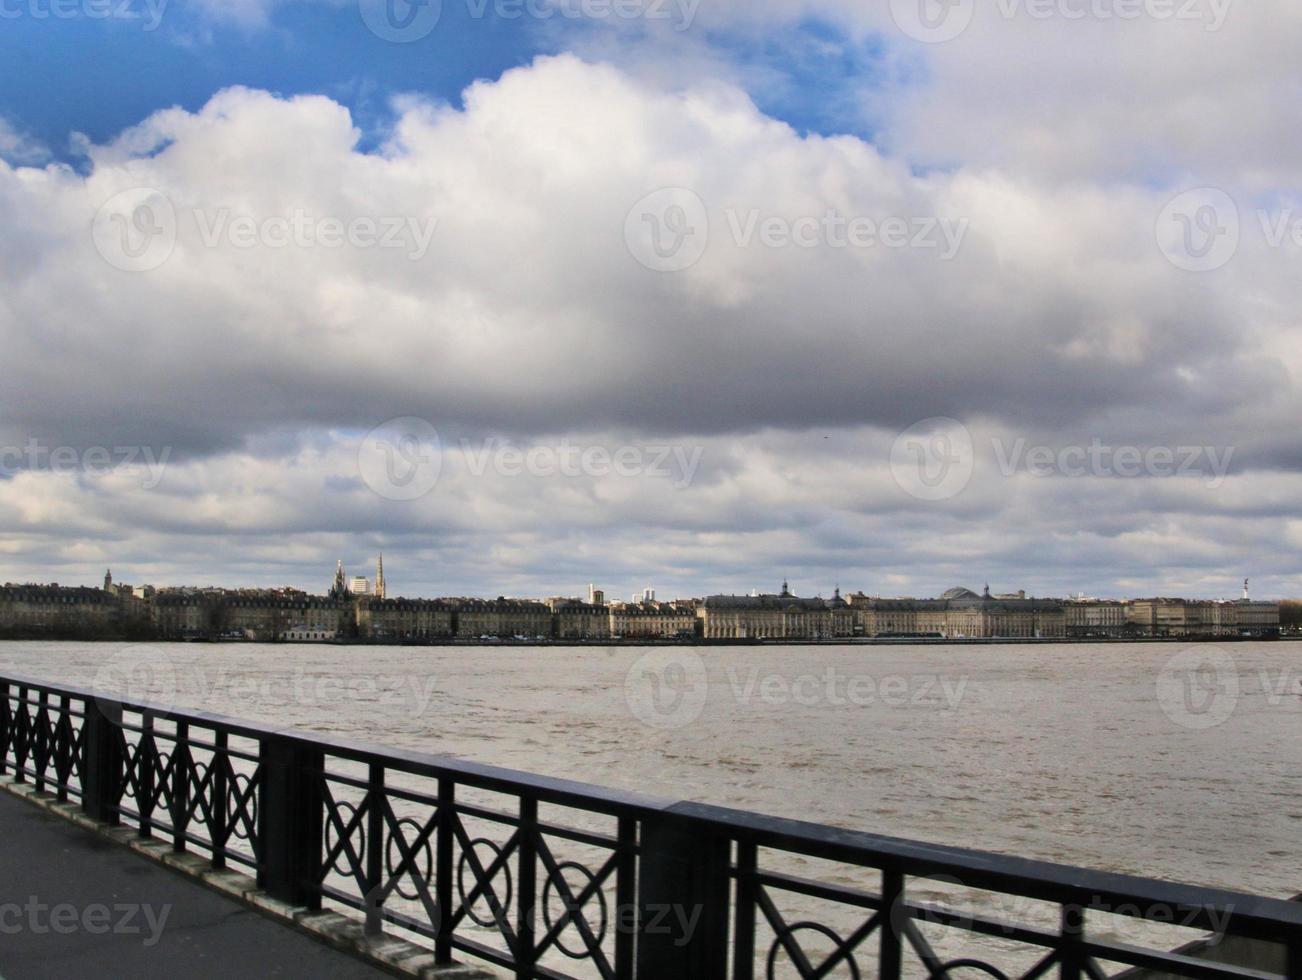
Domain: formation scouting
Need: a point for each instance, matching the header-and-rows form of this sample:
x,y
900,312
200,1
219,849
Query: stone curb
x,y
342,932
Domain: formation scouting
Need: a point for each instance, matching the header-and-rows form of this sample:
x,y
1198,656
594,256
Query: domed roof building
x,y
960,613
780,616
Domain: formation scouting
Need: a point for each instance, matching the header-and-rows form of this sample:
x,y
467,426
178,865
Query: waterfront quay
x,y
360,610
79,903
427,864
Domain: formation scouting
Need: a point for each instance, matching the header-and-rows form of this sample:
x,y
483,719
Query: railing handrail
x,y
1254,916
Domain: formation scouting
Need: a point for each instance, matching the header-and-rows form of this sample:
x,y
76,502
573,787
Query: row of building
x,y
963,614
293,616
349,611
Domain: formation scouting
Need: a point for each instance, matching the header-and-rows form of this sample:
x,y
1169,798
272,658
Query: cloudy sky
x,y
886,294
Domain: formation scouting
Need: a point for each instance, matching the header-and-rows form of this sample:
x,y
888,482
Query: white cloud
x,y
1062,89
826,513
19,148
527,314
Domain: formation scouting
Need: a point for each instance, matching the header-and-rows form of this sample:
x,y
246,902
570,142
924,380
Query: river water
x,y
1179,762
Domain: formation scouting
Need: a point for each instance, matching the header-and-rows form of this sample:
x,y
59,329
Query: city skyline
x,y
345,584
351,612
522,303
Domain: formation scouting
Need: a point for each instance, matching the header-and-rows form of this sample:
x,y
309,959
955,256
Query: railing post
x,y
894,917
683,877
1072,960
63,750
290,821
6,736
41,748
626,899
526,913
743,966
443,874
21,735
220,800
374,848
102,762
182,768
147,756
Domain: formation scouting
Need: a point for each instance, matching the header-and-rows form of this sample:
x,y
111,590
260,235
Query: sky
x,y
694,295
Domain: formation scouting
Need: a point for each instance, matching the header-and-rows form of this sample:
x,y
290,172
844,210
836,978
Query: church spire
x,y
379,577
339,588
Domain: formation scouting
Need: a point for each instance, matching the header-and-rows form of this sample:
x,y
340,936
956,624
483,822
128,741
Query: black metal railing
x,y
552,878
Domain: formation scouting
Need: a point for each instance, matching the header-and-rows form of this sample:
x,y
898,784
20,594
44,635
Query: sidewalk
x,y
73,904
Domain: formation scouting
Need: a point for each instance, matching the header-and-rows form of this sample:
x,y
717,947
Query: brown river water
x,y
1171,761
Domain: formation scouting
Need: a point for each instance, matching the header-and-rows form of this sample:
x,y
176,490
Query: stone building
x,y
1095,617
403,619
501,618
960,614
57,611
271,616
1193,618
1257,618
573,619
185,614
652,620
776,617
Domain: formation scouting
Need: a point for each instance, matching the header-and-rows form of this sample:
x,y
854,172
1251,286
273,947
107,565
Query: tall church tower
x,y
379,578
108,581
340,587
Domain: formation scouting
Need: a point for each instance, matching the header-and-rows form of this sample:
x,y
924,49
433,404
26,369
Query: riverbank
x,y
890,641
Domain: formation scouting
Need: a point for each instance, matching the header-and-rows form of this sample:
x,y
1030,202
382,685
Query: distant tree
x,y
1290,613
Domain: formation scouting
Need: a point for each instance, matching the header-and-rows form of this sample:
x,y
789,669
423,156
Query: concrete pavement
x,y
74,904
